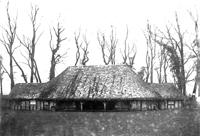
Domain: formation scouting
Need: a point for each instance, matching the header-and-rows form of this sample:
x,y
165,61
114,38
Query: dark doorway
x,y
110,105
93,106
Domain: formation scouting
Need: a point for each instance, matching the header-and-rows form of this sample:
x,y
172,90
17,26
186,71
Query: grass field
x,y
185,122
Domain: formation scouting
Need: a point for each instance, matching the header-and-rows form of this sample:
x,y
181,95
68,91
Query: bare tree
x,y
85,57
195,48
103,44
159,68
147,68
163,64
150,54
108,47
182,58
113,44
55,56
21,69
78,45
129,53
82,49
33,17
30,45
174,44
8,41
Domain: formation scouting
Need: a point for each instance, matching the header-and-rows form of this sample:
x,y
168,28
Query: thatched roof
x,y
29,90
116,81
167,90
83,82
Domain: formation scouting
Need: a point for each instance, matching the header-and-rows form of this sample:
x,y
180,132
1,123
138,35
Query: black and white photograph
x,y
100,68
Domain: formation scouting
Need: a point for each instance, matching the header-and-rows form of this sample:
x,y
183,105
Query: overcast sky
x,y
92,16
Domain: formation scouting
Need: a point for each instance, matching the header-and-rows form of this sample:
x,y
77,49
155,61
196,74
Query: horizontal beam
x,y
98,99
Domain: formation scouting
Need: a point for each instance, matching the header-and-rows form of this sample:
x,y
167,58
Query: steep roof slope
x,y
116,81
83,82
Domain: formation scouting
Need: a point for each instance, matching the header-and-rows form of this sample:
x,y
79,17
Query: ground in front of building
x,y
177,122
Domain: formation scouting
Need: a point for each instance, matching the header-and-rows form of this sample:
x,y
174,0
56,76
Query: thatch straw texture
x,y
103,82
117,81
167,90
30,90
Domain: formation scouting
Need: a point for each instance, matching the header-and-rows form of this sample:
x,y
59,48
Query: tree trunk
x,y
11,73
151,71
198,75
52,69
165,70
194,89
183,82
32,71
22,71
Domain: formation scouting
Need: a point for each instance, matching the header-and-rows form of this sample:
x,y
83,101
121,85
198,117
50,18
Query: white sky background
x,y
93,16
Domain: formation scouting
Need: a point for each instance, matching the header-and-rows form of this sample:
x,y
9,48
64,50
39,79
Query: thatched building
x,y
106,88
172,97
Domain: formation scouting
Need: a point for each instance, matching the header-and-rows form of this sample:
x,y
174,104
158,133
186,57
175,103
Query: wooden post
x,y
29,104
178,103
182,103
17,105
141,105
120,105
25,105
104,106
36,105
81,106
20,107
130,106
167,105
39,104
174,105
43,105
